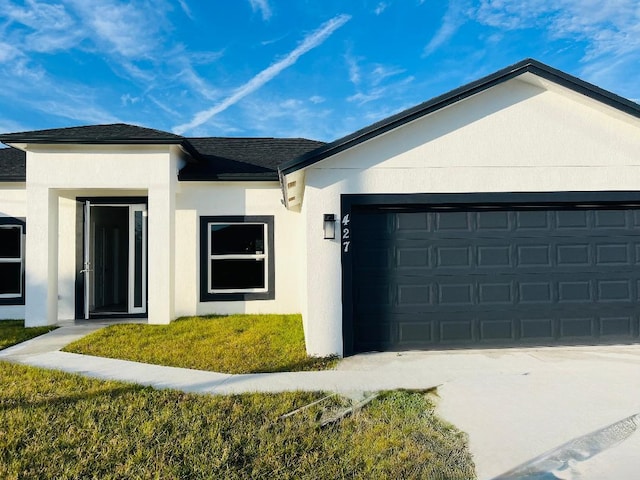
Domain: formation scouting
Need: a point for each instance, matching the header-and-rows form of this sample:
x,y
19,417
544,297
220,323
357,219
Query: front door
x,y
114,259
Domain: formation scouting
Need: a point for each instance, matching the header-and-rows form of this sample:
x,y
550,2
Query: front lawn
x,y
13,332
63,426
231,344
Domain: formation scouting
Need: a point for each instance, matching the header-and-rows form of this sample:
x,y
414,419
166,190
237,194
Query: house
x,y
505,212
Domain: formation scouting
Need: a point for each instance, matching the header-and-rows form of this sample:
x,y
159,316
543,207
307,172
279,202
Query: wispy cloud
x,y
382,72
611,27
263,7
451,22
310,42
185,8
124,28
353,68
381,7
609,30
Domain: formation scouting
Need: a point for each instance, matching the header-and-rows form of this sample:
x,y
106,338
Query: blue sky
x,y
308,68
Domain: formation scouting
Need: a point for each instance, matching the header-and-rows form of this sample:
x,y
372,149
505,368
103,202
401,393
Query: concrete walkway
x,y
515,404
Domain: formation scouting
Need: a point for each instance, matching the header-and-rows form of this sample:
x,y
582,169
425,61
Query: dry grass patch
x,y
14,331
61,426
231,344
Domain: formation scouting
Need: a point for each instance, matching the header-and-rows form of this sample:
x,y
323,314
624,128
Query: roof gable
x,y
525,66
108,134
94,134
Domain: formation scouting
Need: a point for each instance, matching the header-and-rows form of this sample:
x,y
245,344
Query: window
x,y
11,261
236,258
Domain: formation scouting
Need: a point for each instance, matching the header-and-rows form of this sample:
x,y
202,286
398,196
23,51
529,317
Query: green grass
x,y
63,426
230,344
13,331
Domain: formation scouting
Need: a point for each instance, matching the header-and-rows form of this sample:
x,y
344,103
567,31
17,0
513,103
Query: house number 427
x,y
346,233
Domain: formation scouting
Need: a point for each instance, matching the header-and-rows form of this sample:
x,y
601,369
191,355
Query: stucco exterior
x,y
515,137
516,132
197,199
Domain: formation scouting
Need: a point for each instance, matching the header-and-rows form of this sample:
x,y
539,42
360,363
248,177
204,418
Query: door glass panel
x,y
138,251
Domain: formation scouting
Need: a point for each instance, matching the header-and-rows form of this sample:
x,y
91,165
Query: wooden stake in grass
x,y
329,419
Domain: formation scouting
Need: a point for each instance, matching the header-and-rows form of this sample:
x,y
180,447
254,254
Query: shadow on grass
x,y
12,403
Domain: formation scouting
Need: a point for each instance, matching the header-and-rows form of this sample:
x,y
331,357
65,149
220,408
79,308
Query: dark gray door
x,y
479,276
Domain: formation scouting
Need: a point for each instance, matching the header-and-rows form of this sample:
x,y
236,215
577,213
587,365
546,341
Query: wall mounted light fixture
x,y
329,226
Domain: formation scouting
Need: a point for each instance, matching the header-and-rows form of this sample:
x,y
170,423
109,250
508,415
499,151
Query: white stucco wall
x,y
197,199
56,175
13,203
513,138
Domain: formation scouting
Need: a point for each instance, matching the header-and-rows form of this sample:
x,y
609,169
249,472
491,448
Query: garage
x,y
448,271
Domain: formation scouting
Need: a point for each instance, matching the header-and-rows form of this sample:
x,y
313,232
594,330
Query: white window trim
x,y
258,256
19,260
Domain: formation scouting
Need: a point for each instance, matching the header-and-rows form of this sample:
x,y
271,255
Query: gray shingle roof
x,y
12,165
225,158
94,134
214,158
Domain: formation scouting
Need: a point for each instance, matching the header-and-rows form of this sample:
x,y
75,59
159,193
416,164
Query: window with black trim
x,y
236,258
11,261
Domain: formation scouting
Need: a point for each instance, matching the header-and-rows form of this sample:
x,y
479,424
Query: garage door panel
x,y
453,221
535,292
537,329
414,296
412,257
496,293
613,218
414,221
613,254
495,256
573,219
493,221
614,291
577,327
412,333
447,278
575,291
535,255
455,294
532,220
456,331
617,326
497,330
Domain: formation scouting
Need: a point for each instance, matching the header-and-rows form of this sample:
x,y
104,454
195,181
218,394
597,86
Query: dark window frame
x,y
19,223
205,255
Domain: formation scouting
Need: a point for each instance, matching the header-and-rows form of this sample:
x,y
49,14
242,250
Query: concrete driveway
x,y
539,413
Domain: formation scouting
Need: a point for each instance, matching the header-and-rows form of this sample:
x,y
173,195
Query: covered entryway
x,y
507,271
113,266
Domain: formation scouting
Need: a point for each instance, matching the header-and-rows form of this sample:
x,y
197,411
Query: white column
x,y
161,253
41,296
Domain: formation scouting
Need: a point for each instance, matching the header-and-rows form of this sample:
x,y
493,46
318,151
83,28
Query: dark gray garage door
x,y
485,276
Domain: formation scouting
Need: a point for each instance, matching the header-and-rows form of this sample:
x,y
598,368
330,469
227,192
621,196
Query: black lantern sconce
x,y
329,226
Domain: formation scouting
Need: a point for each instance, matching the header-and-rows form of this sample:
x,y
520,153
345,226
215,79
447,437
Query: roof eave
x,y
229,177
22,143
